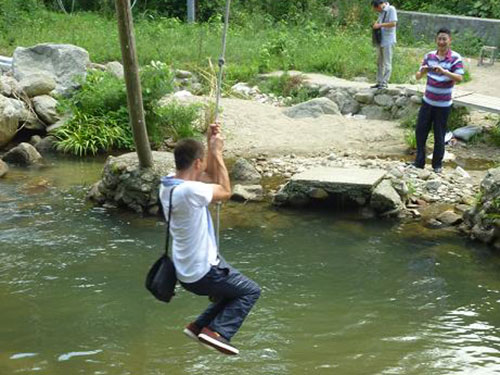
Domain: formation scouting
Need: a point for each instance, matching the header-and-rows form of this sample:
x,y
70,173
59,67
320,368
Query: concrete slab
x,y
355,177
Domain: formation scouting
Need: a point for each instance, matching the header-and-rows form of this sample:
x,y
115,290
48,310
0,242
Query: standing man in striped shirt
x,y
443,67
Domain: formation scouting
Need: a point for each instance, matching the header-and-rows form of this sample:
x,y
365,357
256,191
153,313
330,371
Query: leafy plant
x,y
411,139
89,134
176,121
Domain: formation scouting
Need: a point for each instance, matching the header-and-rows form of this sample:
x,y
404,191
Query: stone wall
x,y
425,24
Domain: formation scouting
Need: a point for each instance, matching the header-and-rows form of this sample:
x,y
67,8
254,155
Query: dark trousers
x,y
234,293
436,117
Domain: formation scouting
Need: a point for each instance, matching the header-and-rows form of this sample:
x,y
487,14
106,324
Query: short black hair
x,y
376,3
444,30
186,152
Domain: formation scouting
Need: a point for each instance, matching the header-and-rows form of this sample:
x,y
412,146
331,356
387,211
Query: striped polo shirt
x,y
439,87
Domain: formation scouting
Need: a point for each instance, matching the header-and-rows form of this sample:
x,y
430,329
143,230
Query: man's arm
x,y
454,76
385,25
220,176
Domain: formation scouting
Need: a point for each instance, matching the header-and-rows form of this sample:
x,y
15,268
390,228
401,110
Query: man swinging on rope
x,y
199,180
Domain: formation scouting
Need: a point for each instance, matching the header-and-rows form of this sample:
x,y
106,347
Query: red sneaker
x,y
192,331
215,340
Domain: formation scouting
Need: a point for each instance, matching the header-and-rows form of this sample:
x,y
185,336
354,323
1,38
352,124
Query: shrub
x,y
176,121
89,134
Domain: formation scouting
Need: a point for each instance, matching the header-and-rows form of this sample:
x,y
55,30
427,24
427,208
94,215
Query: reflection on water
x,y
340,295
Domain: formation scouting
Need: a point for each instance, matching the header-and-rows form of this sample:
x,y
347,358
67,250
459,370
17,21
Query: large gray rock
x,y
125,184
244,171
115,68
465,133
374,112
10,114
384,100
449,217
47,145
364,97
247,193
66,63
4,168
23,154
313,108
344,101
37,84
385,198
45,108
483,220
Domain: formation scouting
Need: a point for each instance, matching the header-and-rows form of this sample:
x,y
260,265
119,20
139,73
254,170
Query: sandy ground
x,y
252,128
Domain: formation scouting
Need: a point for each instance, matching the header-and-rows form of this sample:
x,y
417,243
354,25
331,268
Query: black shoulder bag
x,y
161,278
377,33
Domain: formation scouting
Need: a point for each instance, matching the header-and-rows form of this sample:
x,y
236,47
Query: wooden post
x,y
190,11
133,82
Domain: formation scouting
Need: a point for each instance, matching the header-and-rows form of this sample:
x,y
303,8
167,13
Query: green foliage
x,y
176,121
89,134
411,139
459,116
476,8
288,86
494,135
99,116
410,120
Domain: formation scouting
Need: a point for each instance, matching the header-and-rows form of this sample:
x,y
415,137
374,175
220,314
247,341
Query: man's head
x,y
443,38
190,153
378,5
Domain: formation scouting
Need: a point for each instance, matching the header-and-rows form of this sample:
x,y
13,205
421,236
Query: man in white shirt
x,y
199,180
386,23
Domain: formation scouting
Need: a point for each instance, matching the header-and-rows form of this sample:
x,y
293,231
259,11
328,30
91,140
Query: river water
x,y
341,295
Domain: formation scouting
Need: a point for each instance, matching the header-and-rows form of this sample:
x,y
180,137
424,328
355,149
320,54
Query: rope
x,y
217,99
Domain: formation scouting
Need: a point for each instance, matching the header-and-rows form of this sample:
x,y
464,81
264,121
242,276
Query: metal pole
x,y
190,11
133,83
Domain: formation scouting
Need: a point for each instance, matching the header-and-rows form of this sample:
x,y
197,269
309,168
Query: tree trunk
x,y
133,82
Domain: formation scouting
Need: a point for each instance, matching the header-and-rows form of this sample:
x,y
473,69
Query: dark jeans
x,y
437,117
235,295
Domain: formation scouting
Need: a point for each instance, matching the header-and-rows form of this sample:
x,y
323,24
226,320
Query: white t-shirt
x,y
194,249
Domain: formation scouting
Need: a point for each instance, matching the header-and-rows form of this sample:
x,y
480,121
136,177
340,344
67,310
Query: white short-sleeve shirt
x,y
194,249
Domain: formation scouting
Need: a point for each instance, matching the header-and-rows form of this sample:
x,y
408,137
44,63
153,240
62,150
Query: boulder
x,y
374,112
45,108
124,183
244,171
385,198
384,100
247,193
344,101
10,114
37,84
449,217
465,133
416,99
364,97
8,86
23,154
4,168
115,68
313,108
47,145
66,63
243,89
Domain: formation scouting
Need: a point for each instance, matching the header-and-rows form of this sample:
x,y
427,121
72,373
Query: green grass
x,y
256,47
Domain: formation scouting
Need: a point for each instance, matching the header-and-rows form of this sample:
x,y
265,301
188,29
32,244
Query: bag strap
x,y
168,220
